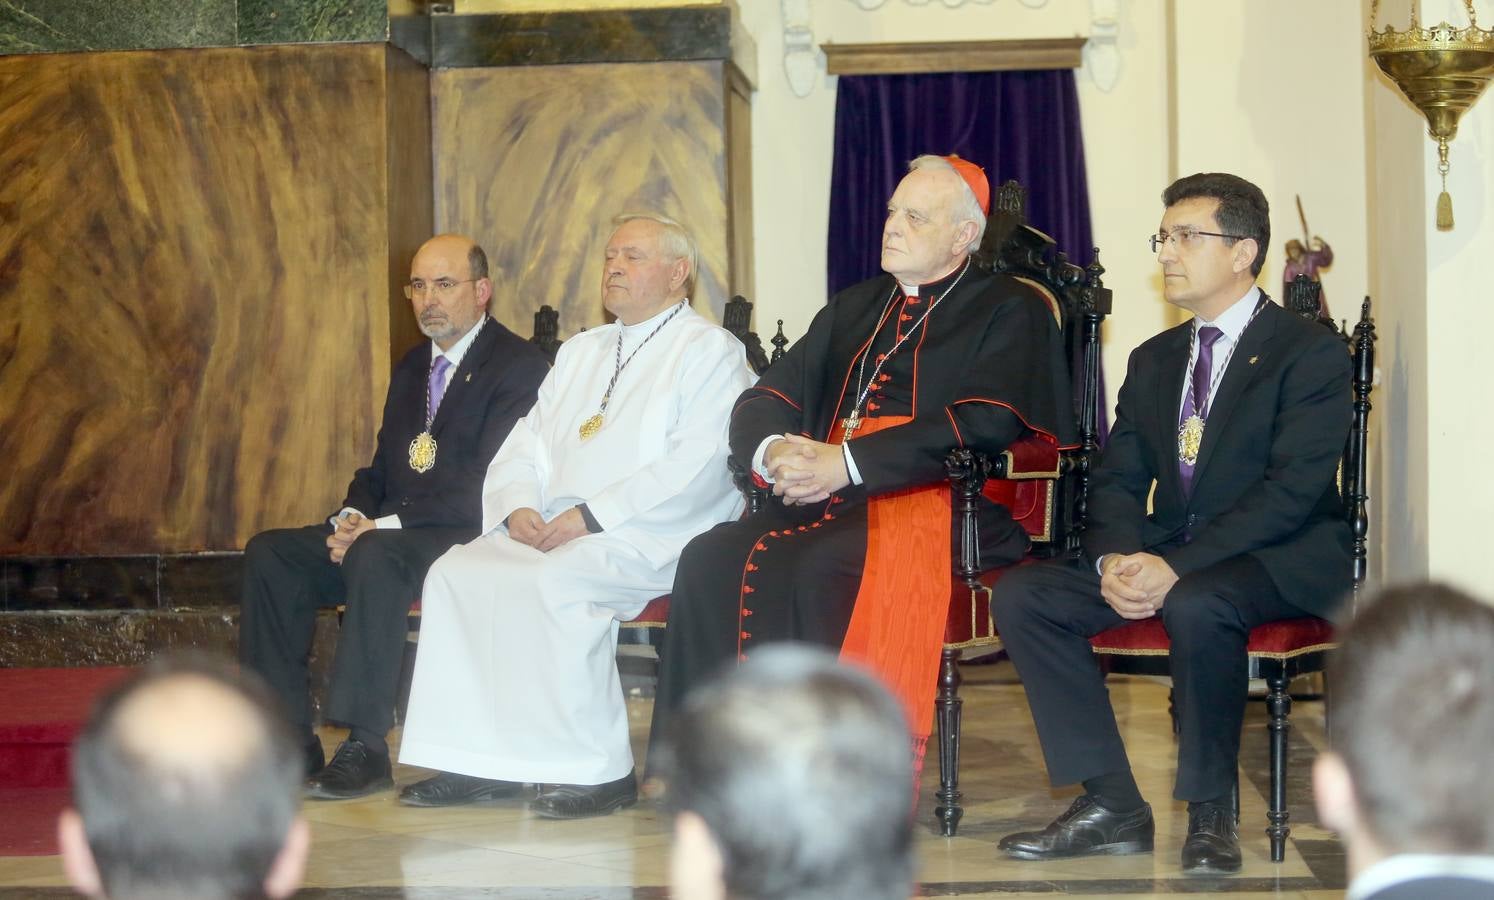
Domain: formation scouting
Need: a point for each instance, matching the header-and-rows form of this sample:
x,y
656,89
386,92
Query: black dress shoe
x,y
316,758
580,801
1086,828
355,771
1213,846
451,789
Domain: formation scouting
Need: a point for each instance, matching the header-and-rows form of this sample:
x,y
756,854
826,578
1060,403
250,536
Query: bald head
x,y
187,784
190,728
449,287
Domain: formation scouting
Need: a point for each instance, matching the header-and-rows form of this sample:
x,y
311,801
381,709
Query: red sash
x,y
897,627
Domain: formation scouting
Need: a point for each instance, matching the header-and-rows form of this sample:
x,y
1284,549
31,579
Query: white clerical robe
x,y
516,676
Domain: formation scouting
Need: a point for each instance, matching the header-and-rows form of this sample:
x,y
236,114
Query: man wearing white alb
x,y
586,508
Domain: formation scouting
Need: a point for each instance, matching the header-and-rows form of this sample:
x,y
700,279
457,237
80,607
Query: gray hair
x,y
164,827
674,239
801,769
967,208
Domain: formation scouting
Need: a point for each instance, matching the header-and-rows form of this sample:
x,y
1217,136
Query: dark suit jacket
x,y
1265,481
493,388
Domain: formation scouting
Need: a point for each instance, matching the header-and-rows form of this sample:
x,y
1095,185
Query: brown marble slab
x,y
195,288
535,161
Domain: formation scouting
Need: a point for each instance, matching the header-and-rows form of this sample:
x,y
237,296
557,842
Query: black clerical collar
x,y
937,288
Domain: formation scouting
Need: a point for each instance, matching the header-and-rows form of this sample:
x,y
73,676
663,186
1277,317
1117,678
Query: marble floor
x,y
375,848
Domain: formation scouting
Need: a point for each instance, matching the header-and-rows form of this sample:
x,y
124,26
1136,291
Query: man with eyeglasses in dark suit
x,y
451,403
1237,419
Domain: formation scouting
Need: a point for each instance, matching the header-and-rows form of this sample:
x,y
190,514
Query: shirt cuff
x,y
592,525
851,470
759,467
1100,564
391,521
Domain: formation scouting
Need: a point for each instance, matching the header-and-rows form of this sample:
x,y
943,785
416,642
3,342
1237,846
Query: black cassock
x,y
984,367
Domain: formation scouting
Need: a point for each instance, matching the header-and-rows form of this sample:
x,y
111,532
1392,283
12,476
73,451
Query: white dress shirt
x,y
1232,324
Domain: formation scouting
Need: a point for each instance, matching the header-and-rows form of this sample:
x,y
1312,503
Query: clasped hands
x,y
528,527
1136,584
805,471
345,529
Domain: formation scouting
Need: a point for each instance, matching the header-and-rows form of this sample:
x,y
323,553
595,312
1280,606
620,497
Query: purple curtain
x,y
1022,125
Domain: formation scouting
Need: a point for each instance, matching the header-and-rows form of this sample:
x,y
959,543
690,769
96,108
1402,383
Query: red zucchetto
x,y
974,176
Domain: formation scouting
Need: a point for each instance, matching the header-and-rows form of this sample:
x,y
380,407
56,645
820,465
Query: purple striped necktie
x,y
437,386
1197,401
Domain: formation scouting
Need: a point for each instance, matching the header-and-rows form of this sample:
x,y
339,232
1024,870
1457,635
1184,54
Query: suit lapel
x,y
1172,361
473,361
1244,366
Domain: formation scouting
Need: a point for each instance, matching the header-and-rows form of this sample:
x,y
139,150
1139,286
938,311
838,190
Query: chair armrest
x,y
967,471
741,476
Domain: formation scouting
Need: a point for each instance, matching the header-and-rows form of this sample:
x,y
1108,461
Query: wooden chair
x,y
1041,485
1044,487
1279,651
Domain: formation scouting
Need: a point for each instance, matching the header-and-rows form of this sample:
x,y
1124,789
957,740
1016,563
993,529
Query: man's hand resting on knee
x,y
805,471
345,530
1136,584
528,527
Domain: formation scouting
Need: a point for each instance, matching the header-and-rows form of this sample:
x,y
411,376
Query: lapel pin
x,y
468,379
1252,362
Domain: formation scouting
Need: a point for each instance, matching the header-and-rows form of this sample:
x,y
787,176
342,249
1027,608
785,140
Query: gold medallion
x,y
1190,438
591,426
423,452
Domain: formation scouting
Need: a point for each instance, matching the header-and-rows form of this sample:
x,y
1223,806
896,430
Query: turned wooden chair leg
x,y
947,705
1278,708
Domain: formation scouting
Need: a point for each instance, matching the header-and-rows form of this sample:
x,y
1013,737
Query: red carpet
x,y
41,711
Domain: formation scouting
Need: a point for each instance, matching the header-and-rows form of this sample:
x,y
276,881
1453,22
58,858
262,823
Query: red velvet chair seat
x,y
655,615
1281,640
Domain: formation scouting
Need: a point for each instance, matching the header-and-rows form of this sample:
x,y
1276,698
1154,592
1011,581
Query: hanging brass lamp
x,y
1442,70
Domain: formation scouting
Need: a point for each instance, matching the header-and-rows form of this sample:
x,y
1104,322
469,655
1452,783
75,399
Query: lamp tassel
x,y
1444,199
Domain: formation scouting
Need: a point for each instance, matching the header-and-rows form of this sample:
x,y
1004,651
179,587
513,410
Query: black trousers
x,y
1046,614
288,576
804,589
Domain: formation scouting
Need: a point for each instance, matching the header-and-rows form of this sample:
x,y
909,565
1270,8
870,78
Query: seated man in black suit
x,y
1237,418
1406,784
451,403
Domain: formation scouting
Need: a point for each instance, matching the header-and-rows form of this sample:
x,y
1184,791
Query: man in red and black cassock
x,y
850,429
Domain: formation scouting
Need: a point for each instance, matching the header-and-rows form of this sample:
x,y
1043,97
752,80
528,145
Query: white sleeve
x,y
851,470
759,459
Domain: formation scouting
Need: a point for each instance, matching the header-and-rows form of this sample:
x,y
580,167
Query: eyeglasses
x,y
1186,237
440,287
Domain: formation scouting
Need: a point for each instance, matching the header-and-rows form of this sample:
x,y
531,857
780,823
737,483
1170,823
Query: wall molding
x,y
953,56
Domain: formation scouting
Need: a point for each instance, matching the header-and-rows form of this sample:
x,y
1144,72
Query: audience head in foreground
x,y
1406,783
790,777
186,783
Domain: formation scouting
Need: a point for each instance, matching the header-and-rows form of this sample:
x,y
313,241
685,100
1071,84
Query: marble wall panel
x,y
291,21
534,162
63,26
50,26
194,292
410,215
